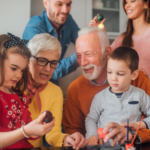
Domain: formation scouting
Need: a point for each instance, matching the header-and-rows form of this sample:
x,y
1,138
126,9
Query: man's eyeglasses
x,y
43,62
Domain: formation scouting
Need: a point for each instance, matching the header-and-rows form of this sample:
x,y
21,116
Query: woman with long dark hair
x,y
137,33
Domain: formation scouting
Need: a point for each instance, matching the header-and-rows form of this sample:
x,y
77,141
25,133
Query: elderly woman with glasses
x,y
43,95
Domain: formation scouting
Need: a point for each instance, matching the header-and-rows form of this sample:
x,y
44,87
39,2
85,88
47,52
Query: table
x,y
145,146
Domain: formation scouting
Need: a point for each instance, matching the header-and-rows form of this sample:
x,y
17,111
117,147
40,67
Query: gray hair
x,y
104,41
44,42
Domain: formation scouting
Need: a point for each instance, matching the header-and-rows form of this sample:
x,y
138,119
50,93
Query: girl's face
x,y
135,8
14,65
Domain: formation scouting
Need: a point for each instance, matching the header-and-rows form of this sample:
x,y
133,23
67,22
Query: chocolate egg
x,y
48,118
100,17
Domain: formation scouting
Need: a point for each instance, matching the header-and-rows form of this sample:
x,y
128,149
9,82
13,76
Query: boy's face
x,y
119,75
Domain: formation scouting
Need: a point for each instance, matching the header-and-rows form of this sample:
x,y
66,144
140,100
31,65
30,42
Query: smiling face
x,y
119,75
57,10
135,8
13,69
42,74
88,51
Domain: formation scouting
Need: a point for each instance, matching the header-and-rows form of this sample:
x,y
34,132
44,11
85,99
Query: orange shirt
x,y
78,101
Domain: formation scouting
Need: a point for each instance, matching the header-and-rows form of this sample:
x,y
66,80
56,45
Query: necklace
x,y
11,91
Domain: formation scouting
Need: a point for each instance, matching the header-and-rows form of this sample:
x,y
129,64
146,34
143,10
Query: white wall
x,y
14,15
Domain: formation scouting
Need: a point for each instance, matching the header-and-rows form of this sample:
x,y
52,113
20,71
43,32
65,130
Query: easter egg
x,y
101,26
100,17
100,133
48,118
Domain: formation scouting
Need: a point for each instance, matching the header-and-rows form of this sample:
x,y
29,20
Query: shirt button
x,y
60,35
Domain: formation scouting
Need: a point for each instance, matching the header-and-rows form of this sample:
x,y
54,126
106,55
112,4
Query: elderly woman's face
x,y
42,74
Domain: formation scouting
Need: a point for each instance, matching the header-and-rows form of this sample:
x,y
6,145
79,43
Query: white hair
x,y
104,41
44,42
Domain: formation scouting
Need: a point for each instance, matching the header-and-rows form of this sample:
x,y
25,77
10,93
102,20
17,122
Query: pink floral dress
x,y
13,114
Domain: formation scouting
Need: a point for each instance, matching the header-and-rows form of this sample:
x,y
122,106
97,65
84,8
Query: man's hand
x,y
116,132
95,140
76,140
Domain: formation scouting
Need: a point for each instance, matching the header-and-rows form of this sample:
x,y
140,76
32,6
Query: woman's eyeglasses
x,y
43,62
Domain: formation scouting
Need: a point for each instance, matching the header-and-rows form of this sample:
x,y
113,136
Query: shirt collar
x,y
93,83
49,26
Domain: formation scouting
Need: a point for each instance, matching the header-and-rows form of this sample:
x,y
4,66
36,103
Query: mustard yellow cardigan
x,y
52,100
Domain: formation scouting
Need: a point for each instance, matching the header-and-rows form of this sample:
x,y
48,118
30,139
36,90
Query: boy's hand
x,y
76,140
135,125
95,140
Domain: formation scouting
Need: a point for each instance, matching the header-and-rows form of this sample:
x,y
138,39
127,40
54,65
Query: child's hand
x,y
95,140
38,127
76,140
133,126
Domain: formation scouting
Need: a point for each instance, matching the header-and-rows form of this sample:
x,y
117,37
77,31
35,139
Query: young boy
x,y
120,101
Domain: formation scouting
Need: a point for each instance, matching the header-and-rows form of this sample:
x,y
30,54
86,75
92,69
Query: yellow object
x,y
51,100
101,26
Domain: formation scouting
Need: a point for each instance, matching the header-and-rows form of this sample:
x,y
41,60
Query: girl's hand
x,y
76,140
37,127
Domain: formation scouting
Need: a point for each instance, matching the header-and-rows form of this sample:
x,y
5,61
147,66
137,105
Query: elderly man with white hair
x,y
92,49
43,95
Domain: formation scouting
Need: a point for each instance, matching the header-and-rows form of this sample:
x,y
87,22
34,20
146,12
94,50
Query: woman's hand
x,y
76,140
37,127
95,22
95,140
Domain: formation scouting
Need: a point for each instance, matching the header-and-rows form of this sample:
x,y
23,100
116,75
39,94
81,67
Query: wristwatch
x,y
137,138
